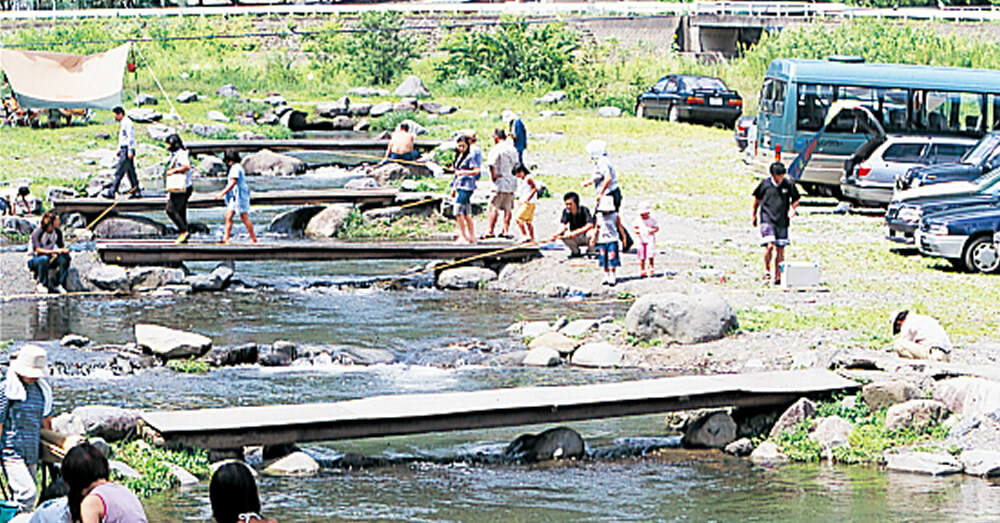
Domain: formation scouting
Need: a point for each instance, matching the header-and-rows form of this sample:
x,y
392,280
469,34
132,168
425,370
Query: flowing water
x,y
633,472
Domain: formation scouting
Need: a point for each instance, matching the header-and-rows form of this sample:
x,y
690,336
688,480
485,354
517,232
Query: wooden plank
x,y
434,412
366,146
159,253
91,206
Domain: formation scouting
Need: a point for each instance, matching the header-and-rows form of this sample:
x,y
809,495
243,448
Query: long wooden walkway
x,y
367,147
230,428
165,252
362,197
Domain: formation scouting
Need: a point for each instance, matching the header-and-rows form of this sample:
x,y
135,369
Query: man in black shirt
x,y
774,202
576,223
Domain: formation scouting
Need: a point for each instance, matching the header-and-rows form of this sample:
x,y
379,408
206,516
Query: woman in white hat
x,y
605,180
25,409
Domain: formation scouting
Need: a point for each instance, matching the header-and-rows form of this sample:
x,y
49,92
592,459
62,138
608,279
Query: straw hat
x,y
606,204
31,362
596,148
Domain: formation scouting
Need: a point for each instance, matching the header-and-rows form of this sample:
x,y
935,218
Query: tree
x,y
381,49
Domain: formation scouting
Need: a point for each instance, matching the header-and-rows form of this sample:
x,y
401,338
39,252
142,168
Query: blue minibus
x,y
905,99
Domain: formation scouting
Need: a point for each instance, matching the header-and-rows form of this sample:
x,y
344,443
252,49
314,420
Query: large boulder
x,y
341,107
741,447
888,393
364,182
109,278
596,355
362,109
541,357
148,278
129,226
278,354
328,222
368,356
217,280
342,123
915,414
393,171
18,225
985,463
212,166
171,343
159,132
932,463
800,411
553,340
227,91
234,355
295,464
412,86
275,100
832,431
110,423
714,430
534,329
436,108
293,221
680,318
380,109
145,99
269,163
465,278
968,396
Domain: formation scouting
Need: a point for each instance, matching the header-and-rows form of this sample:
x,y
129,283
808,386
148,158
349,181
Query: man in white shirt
x,y
919,337
502,161
126,155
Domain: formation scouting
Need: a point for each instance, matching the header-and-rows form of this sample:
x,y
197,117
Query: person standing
x,y
179,164
528,194
126,155
774,203
518,133
646,229
607,235
237,195
467,169
47,251
605,179
576,223
92,498
25,409
502,160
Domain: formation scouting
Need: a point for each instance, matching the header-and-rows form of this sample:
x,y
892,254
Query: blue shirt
x,y
472,162
520,135
240,193
22,423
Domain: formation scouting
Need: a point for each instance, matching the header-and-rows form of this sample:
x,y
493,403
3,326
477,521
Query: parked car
x,y
690,98
963,236
981,159
904,214
742,130
870,173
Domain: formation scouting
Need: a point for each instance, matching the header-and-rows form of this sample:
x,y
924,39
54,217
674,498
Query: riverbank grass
x,y
154,466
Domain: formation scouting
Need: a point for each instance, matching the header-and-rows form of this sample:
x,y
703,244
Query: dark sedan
x,y
963,236
903,217
690,98
982,158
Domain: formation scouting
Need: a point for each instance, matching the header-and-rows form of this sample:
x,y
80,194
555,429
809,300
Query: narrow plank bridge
x,y
166,253
360,197
370,148
393,415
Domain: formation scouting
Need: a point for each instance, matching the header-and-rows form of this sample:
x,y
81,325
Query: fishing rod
x,y
98,219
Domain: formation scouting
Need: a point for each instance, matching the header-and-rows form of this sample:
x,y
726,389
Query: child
x,y
608,232
646,228
237,194
528,194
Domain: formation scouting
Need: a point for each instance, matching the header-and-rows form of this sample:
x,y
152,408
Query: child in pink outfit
x,y
646,229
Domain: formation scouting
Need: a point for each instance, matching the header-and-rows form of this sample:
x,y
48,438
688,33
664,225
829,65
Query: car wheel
x,y
640,111
981,255
674,115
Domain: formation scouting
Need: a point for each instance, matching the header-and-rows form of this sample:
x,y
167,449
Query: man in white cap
x,y
25,409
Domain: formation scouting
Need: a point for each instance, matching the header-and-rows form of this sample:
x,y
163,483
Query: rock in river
x,y
557,443
714,430
886,394
327,223
932,463
268,163
541,357
171,343
597,355
109,423
800,411
109,278
278,354
465,278
558,342
673,317
236,355
294,464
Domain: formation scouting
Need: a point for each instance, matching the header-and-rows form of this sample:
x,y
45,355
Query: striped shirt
x,y
22,421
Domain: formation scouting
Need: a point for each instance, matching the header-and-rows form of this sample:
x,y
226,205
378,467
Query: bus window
x,y
992,112
949,112
772,97
813,103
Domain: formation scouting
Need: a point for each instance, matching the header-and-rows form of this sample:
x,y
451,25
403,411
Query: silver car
x,y
869,181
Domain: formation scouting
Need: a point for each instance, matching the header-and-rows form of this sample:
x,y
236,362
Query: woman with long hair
x,y
48,251
233,493
467,168
178,165
92,498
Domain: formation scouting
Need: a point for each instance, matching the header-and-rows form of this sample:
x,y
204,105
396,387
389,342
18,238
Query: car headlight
x,y
937,229
909,214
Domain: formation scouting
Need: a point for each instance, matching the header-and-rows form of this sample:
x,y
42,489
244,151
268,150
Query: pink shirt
x,y
120,504
645,225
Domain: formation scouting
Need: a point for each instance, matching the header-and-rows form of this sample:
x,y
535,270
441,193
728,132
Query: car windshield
x,y
989,183
982,150
702,82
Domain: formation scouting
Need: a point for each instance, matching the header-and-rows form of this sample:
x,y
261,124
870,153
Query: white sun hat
x,y
606,204
597,148
31,362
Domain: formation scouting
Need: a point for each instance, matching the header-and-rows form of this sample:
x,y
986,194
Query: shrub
x,y
381,50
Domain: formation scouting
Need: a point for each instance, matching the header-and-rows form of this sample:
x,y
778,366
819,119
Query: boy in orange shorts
x,y
528,194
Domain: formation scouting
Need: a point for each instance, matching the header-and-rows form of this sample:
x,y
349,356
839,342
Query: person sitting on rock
x,y
400,146
233,494
919,337
48,251
92,498
21,205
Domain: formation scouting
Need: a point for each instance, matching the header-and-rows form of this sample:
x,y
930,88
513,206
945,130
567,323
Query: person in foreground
x,y
233,494
25,409
92,498
237,195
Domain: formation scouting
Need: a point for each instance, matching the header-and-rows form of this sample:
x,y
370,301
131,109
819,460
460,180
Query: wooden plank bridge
x,y
393,415
166,253
360,197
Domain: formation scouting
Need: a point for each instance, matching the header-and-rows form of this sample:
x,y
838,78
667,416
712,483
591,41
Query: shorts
x,y
646,251
770,233
503,201
607,255
526,214
462,209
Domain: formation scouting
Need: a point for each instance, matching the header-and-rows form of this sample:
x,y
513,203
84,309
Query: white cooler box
x,y
799,274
